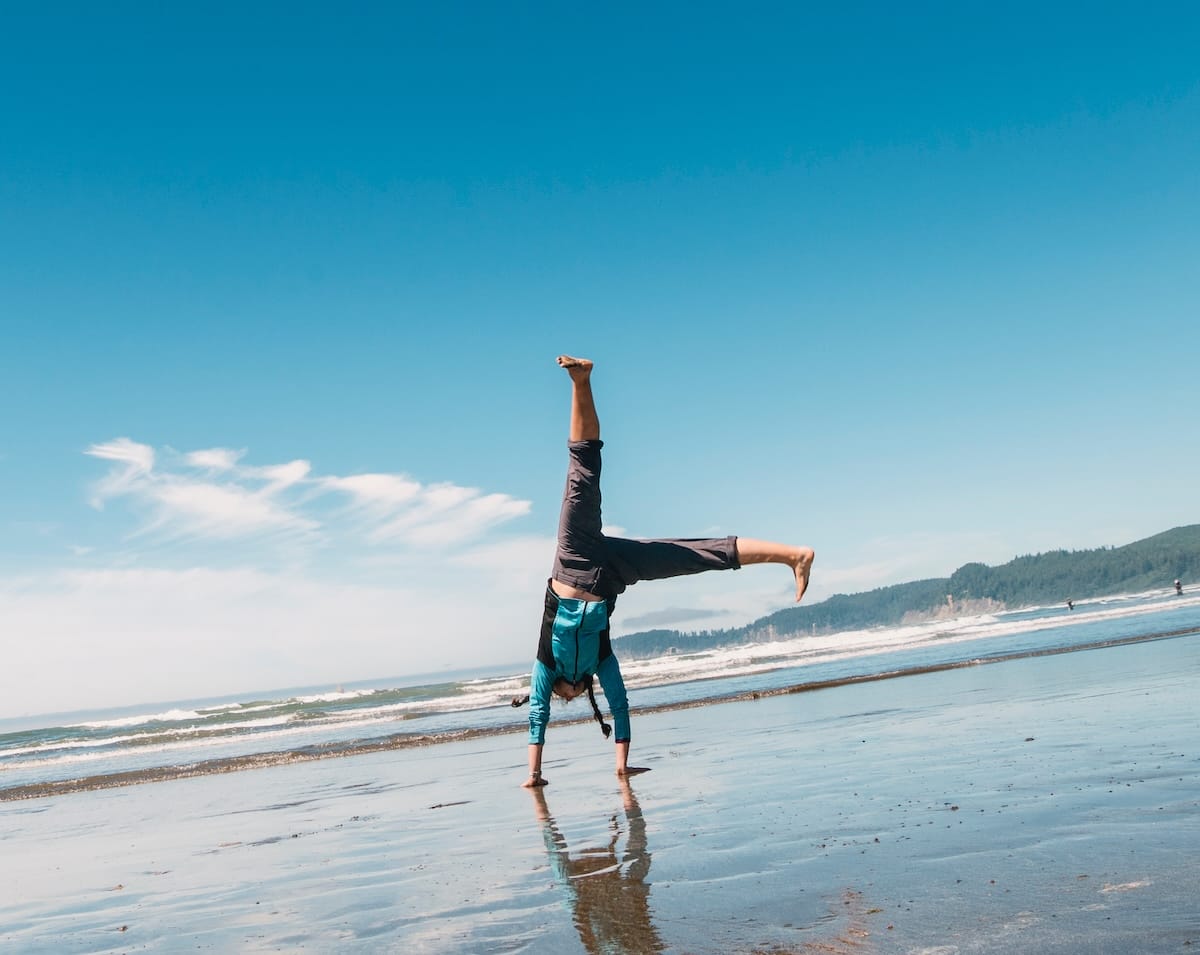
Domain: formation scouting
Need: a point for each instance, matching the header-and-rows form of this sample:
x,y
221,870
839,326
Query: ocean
x,y
101,749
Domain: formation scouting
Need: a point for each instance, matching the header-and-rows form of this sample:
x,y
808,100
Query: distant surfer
x,y
1070,604
591,569
1178,588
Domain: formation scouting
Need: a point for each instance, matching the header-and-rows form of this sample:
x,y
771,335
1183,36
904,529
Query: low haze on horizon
x,y
282,289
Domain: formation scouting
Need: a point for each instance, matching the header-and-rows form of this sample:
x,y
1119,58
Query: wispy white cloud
x,y
215,459
221,511
378,492
132,462
447,515
212,494
218,504
279,476
137,457
396,509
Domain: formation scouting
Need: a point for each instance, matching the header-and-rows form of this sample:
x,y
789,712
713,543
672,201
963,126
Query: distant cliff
x,y
1032,580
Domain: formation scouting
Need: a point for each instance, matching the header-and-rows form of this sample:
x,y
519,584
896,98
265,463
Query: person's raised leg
x,y
800,559
581,547
585,425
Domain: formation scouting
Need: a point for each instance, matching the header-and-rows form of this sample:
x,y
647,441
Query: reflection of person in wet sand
x,y
591,569
606,891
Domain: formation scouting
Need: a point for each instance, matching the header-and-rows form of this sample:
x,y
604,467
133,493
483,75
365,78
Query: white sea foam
x,y
174,745
495,693
168,717
334,696
77,743
225,730
210,711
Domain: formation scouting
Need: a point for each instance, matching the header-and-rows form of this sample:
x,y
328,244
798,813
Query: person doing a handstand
x,y
591,569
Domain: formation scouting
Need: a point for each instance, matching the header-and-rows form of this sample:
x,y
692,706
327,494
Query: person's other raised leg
x,y
636,560
800,559
585,425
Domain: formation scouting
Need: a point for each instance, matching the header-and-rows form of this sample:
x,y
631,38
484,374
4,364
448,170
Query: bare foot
x,y
802,566
632,771
578,368
753,551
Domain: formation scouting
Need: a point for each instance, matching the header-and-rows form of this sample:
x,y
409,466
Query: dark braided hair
x,y
604,727
518,701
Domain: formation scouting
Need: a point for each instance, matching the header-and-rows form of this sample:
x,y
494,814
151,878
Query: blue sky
x,y
281,289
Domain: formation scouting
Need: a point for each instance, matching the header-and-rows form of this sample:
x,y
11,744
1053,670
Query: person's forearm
x,y
623,767
622,757
535,763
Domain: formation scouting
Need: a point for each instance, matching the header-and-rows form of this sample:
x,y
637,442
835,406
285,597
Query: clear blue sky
x,y
281,288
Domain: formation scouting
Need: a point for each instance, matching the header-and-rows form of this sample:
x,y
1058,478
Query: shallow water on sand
x,y
1034,806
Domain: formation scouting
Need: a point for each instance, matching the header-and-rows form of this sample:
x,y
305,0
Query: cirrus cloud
x,y
212,494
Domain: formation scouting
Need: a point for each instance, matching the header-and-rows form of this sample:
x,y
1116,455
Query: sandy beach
x,y
1040,805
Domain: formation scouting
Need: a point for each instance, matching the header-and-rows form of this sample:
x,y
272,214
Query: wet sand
x,y
1039,805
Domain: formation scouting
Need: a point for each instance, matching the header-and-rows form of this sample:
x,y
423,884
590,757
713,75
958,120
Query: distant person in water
x,y
1070,604
591,569
1178,587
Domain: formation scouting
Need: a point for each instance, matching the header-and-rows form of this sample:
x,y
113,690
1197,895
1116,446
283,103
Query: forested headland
x,y
1027,581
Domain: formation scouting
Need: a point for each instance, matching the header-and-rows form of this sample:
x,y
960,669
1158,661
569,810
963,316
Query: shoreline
x,y
402,741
